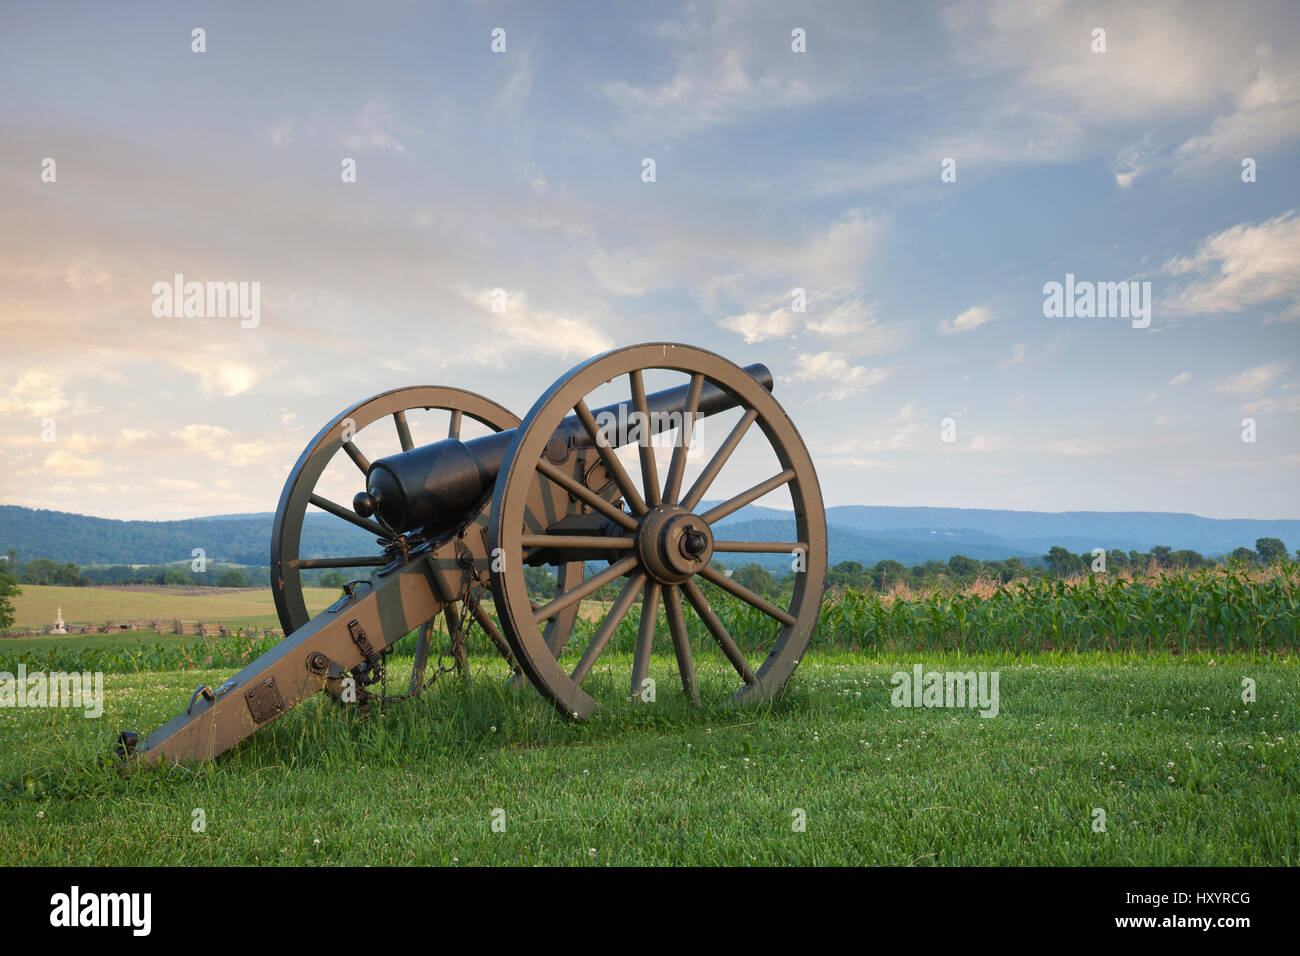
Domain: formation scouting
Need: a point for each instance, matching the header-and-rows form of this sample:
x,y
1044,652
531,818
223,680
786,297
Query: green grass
x,y
662,783
234,607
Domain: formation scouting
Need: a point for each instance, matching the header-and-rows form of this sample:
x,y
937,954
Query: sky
x,y
921,171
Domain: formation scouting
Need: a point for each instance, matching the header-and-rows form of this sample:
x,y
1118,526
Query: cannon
x,y
461,519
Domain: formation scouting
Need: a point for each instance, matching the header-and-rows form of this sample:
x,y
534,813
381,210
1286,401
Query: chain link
x,y
468,601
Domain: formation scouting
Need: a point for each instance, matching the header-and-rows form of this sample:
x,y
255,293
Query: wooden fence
x,y
190,628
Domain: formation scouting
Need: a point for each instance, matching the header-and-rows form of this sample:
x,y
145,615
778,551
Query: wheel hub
x,y
673,544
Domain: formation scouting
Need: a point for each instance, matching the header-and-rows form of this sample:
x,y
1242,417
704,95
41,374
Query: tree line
x,y
960,571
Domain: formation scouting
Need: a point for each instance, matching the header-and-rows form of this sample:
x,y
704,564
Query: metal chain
x,y
467,600
470,581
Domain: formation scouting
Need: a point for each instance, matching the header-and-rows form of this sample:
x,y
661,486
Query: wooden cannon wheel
x,y
665,543
345,433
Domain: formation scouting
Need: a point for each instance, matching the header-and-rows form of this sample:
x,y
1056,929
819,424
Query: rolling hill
x,y
856,532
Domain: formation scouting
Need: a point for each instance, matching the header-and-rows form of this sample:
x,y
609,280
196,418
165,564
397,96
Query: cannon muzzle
x,y
435,486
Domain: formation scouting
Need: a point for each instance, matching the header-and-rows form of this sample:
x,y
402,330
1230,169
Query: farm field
x,y
1185,772
254,607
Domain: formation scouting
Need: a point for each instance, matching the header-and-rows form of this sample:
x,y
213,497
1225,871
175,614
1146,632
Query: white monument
x,y
59,626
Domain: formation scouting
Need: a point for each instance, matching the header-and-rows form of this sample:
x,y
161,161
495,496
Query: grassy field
x,y
254,607
1184,770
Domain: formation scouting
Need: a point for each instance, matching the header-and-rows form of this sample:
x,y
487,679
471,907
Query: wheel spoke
x,y
746,595
585,494
681,643
557,637
369,561
718,460
677,467
374,527
358,459
649,467
760,547
746,497
622,604
584,541
403,430
719,632
645,637
591,584
453,429
423,641
612,464
494,634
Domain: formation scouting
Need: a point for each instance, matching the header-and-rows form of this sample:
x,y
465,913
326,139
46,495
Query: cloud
x,y
835,259
1266,116
519,86
35,394
760,326
827,315
219,376
881,435
1175,89
280,134
845,379
986,441
69,464
1247,265
1103,445
725,68
971,319
1182,378
1252,379
1018,354
211,440
377,127
1289,405
521,327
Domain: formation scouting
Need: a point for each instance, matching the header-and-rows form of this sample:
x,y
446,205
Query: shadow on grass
x,y
453,721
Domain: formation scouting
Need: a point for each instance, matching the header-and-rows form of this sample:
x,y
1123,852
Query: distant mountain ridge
x,y
863,533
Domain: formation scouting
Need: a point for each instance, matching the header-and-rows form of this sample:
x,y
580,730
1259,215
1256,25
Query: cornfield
x,y
1212,609
1215,609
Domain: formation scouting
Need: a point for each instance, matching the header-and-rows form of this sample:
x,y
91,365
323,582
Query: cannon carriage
x,y
456,521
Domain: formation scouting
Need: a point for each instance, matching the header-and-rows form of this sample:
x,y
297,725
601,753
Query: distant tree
x,y
1270,550
1162,556
846,574
1187,559
757,578
1011,569
539,581
43,571
174,576
8,589
1061,562
232,578
1244,554
1116,560
888,573
332,579
963,567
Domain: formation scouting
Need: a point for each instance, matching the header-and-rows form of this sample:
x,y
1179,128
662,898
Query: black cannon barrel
x,y
433,486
